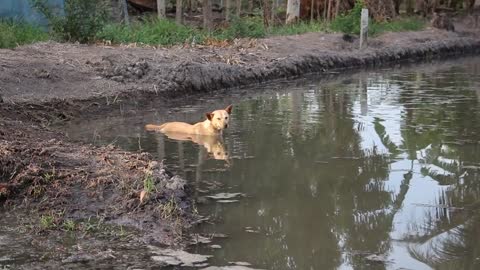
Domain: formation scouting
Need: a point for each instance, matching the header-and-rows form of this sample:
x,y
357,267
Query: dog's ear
x,y
209,116
229,109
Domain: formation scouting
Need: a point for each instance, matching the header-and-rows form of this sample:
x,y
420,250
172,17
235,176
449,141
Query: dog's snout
x,y
226,125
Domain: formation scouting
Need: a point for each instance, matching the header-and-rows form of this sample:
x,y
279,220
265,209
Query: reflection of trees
x,y
440,124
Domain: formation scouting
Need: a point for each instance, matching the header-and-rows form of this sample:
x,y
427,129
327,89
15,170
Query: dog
x,y
214,125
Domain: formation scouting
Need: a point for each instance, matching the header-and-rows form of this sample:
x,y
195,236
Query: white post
x,y
364,28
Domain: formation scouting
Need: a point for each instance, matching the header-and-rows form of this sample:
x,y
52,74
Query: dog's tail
x,y
154,127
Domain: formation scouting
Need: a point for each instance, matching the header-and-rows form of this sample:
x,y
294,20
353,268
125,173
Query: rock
x,y
216,246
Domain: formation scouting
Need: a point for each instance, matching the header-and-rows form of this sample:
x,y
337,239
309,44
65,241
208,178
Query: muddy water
x,y
378,170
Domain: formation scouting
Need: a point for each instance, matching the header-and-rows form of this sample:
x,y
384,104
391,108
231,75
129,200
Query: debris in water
x,y
377,258
227,201
231,267
178,257
251,230
241,263
224,196
199,239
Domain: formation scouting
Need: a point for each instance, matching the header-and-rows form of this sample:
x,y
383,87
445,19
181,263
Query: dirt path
x,y
42,171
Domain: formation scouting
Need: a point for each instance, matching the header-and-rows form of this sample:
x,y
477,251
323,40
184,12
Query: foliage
x,y
349,23
14,33
397,25
81,20
299,28
153,31
241,28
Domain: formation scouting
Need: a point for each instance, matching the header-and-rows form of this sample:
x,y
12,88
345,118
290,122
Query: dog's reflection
x,y
213,144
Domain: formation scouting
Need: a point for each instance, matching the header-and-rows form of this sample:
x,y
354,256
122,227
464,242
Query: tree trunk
x,y
266,13
381,10
312,6
397,4
410,6
179,12
329,10
161,9
274,7
228,10
337,8
250,6
239,8
207,14
293,11
126,18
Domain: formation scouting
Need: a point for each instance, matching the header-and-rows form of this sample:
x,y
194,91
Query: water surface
x,y
380,163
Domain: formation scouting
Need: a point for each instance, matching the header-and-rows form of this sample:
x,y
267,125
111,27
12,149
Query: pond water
x,y
378,170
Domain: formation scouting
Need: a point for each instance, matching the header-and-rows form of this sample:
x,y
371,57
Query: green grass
x,y
15,33
397,25
299,28
152,32
165,32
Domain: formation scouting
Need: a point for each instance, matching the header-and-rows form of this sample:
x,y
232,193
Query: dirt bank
x,y
47,71
45,173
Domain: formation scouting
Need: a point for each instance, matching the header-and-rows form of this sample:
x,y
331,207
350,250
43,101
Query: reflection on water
x,y
384,163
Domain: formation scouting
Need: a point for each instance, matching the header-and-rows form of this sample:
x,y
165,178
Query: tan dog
x,y
214,125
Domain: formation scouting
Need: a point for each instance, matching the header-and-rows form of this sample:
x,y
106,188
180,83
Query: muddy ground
x,y
49,180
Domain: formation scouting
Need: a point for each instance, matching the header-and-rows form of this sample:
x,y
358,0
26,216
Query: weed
x,y
14,33
169,209
47,177
148,183
69,225
47,222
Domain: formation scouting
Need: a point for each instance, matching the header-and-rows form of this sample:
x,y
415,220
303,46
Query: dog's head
x,y
220,118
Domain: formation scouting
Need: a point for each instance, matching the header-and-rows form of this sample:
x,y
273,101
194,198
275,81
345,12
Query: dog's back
x,y
171,127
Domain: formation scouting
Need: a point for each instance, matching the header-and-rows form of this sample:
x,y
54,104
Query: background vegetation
x,y
89,21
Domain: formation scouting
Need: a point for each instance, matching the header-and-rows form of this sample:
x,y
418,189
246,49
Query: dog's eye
x,y
226,118
218,153
219,118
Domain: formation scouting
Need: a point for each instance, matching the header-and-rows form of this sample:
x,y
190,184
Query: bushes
x,y
241,28
81,21
349,23
14,33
